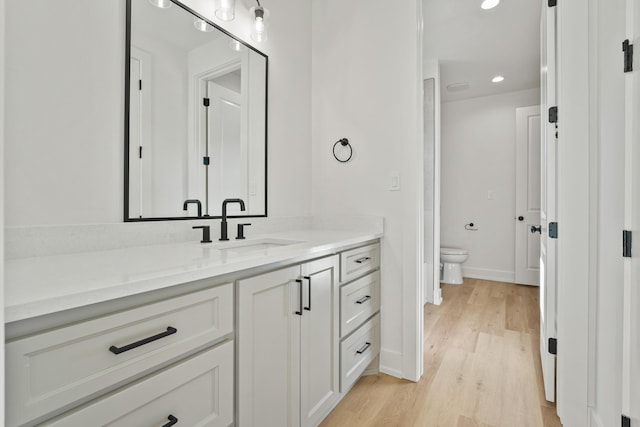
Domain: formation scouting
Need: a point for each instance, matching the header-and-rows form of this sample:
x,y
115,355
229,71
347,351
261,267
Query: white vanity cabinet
x,y
61,368
288,338
359,312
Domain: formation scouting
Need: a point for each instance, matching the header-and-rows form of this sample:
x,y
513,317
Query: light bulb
x,y
235,45
226,9
497,79
259,31
162,4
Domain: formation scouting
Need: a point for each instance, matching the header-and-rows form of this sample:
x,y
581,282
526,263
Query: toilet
x,y
451,260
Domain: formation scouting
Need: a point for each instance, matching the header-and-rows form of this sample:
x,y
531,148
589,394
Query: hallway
x,y
482,367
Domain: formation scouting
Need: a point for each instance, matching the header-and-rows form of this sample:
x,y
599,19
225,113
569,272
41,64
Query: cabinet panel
x,y
357,351
268,349
359,300
197,392
319,366
356,262
57,368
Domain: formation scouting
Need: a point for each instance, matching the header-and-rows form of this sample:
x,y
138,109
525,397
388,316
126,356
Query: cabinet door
x,y
269,349
319,352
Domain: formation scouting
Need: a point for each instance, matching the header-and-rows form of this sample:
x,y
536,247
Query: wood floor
x,y
481,367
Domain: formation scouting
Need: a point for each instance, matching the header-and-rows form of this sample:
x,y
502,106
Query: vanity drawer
x,y
359,300
54,369
357,351
196,392
358,261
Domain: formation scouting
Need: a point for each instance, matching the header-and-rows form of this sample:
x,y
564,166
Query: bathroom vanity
x,y
270,331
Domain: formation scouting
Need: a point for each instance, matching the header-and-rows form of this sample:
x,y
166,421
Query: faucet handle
x,y
206,233
241,227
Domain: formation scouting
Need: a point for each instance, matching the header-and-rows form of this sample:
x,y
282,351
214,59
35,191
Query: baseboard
x,y
489,274
391,363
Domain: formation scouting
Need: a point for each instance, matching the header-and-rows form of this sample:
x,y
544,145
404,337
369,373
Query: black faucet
x,y
223,225
186,203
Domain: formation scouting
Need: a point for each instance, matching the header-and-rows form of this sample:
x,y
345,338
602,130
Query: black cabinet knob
x,y
520,218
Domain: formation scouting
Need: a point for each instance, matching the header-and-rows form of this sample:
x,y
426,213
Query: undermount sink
x,y
242,247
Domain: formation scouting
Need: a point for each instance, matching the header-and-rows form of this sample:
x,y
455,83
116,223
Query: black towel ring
x,y
345,143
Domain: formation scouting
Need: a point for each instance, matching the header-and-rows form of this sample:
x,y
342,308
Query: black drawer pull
x,y
364,348
117,350
172,421
299,312
363,259
363,299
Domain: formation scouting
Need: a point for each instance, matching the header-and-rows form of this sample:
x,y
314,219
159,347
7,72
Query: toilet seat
x,y
454,251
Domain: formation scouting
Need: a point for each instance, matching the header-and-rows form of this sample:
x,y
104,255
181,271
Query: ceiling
x,y
473,45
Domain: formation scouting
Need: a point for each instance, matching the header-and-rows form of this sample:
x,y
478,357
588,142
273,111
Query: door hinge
x,y
205,102
626,421
553,345
206,160
553,230
553,3
139,84
626,243
140,152
627,48
553,115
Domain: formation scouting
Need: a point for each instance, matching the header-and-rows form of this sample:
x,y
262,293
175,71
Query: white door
x,y
319,380
140,195
528,130
631,314
548,206
228,164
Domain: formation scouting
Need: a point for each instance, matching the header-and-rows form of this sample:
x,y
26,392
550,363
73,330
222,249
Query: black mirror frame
x,y
127,89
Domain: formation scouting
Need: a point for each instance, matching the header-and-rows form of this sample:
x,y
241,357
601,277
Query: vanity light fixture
x,y
259,30
201,25
497,79
225,9
162,4
489,4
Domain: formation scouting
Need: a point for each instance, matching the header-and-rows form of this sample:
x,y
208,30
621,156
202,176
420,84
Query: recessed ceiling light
x,y
497,79
489,4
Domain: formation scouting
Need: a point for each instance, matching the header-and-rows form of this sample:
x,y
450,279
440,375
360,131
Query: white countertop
x,y
45,285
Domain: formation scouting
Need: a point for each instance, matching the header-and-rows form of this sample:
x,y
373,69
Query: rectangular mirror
x,y
195,116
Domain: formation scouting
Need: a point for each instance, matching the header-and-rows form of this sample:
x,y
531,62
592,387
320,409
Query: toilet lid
x,y
453,251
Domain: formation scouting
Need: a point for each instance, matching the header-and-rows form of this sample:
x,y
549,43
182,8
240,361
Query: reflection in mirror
x,y
197,117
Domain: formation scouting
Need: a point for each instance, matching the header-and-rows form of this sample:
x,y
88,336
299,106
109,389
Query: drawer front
x,y
359,300
196,392
359,261
357,351
54,369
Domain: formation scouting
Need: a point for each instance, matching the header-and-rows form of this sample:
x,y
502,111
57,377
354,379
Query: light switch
x,y
394,181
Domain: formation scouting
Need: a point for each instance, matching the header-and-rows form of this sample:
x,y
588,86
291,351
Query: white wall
x,y
65,95
478,156
367,87
64,153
